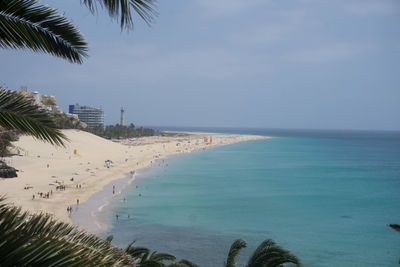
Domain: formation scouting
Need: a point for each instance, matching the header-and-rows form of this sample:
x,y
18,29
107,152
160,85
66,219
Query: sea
x,y
327,196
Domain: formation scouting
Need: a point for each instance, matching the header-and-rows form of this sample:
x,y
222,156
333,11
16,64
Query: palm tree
x,y
25,24
182,263
21,114
234,251
267,254
39,240
122,9
155,259
145,258
28,24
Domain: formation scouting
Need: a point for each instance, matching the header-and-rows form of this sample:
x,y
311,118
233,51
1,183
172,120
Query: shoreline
x,y
84,173
90,215
87,214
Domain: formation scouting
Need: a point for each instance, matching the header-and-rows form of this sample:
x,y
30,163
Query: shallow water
x,y
326,196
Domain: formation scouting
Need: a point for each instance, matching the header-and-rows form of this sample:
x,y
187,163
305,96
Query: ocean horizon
x,y
324,195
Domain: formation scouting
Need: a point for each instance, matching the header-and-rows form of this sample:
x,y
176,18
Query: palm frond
x,y
183,263
109,238
154,259
234,251
137,252
122,10
39,240
19,113
160,257
26,24
268,254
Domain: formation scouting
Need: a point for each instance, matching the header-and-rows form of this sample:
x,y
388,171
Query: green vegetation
x,y
28,24
19,114
39,240
122,132
67,121
267,254
24,24
175,134
6,137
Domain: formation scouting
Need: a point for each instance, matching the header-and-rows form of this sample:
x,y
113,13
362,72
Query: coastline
x,y
42,166
92,215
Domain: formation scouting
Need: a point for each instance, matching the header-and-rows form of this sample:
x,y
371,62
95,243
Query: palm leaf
x,y
19,113
268,254
26,24
39,240
137,252
109,238
182,263
122,10
154,259
236,247
160,257
151,264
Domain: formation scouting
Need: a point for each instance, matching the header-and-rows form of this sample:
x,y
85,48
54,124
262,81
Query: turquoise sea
x,y
325,195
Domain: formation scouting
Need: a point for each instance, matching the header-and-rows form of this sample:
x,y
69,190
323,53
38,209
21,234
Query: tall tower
x,y
122,116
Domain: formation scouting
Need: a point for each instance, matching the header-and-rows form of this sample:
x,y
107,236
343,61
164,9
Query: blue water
x,y
326,196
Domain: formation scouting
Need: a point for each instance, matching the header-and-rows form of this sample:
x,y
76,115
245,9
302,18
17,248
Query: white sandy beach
x,y
41,165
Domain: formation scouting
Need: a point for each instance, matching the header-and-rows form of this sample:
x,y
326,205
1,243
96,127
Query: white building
x,y
93,117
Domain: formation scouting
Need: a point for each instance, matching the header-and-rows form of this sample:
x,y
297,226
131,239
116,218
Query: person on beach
x,y
33,197
113,189
77,202
116,216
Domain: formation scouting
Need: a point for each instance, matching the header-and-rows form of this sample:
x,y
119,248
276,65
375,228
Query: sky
x,y
300,64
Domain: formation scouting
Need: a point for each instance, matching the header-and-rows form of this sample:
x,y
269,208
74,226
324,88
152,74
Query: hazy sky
x,y
253,63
